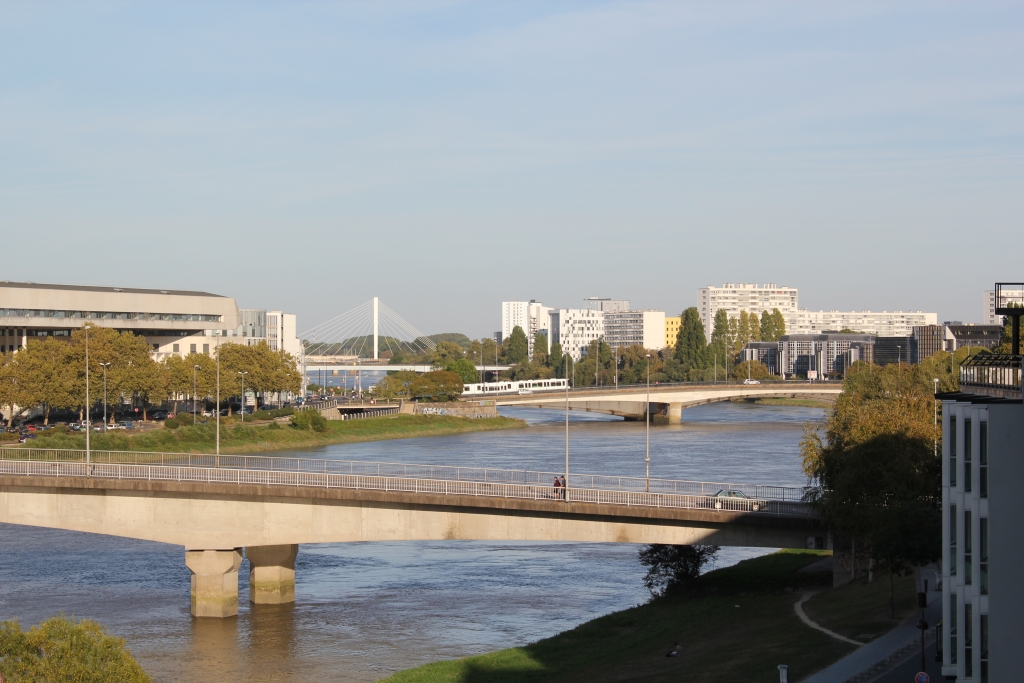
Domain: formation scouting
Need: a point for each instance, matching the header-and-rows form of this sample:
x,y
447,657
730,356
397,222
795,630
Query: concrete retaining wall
x,y
459,409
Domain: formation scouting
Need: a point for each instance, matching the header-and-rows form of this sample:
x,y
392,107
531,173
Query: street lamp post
x,y
935,418
566,365
194,369
242,375
899,356
218,401
647,456
88,426
104,366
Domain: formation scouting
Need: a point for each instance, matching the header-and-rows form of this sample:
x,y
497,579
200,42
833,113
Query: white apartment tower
x,y
632,328
575,328
752,298
532,316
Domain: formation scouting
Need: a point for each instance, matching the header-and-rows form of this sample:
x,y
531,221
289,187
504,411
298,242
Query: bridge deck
x,y
431,480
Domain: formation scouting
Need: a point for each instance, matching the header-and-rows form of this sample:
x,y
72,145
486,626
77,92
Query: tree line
x,y
50,372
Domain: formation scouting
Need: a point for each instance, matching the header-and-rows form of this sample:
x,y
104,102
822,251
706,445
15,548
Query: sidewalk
x,y
870,661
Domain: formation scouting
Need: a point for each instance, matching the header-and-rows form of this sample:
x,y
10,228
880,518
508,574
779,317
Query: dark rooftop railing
x,y
992,374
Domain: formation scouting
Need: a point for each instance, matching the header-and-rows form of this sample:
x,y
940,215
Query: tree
x,y
779,323
773,325
518,347
46,376
464,368
59,649
540,348
754,328
395,385
447,352
439,385
555,361
753,369
691,344
876,477
721,335
670,566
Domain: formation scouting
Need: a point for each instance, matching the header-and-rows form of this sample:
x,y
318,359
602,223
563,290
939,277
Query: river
x,y
365,610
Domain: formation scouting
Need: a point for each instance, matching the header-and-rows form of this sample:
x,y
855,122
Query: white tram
x,y
528,386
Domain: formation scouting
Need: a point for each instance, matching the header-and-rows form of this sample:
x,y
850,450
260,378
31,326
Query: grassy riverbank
x,y
797,402
734,624
236,437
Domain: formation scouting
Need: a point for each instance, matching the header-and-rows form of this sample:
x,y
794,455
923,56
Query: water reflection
x,y
365,610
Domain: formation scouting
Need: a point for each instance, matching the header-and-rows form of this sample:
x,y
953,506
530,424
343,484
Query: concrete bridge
x,y
667,400
215,506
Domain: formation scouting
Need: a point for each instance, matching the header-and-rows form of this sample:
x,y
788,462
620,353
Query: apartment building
x,y
672,325
630,328
883,324
575,328
751,298
532,316
989,315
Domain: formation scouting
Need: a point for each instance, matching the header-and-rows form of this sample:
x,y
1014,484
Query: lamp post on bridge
x,y
566,366
647,413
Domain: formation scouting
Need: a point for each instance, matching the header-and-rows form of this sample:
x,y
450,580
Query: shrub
x,y
8,437
63,650
669,566
309,419
274,425
440,385
172,422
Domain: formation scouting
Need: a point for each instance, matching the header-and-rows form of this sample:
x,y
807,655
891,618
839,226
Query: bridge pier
x,y
214,581
674,413
271,573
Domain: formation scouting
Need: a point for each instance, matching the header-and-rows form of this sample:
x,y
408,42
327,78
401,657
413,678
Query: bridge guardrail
x,y
409,471
445,487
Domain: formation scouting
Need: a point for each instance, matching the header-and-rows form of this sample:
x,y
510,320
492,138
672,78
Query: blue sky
x,y
448,156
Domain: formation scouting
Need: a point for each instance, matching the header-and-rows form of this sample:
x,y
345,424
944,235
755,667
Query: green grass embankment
x,y
236,437
734,624
797,402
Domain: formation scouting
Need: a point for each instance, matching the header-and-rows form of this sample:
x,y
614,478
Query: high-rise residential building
x,y
607,305
989,316
752,298
884,324
635,328
672,325
532,316
575,328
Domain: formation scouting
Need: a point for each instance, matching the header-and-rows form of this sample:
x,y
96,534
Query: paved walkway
x,y
870,661
799,608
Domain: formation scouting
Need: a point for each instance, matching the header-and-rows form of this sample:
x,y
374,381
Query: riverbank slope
x,y
733,624
236,437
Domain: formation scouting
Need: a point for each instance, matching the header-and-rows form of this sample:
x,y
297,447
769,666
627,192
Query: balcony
x,y
992,374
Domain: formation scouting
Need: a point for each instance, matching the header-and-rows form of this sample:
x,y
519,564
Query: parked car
x,y
751,381
159,415
733,494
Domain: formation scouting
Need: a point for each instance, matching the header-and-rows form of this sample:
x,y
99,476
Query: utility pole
x,y
218,396
566,363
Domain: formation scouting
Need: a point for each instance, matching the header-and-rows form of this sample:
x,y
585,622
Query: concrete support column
x,y
214,581
271,573
674,412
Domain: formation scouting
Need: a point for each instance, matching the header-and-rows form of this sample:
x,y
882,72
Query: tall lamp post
x,y
647,457
218,401
566,366
935,417
104,366
242,374
88,426
195,368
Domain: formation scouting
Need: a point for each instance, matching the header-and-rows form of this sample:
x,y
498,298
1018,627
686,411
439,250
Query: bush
x,y
669,566
173,422
440,385
274,425
9,437
63,650
309,419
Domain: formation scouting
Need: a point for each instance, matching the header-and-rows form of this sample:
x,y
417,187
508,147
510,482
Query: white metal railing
x,y
447,487
409,471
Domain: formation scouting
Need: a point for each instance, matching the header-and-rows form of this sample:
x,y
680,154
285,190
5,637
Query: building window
x,y
156,347
952,540
983,560
206,349
984,648
968,641
952,450
983,460
967,455
967,548
174,348
192,348
952,629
